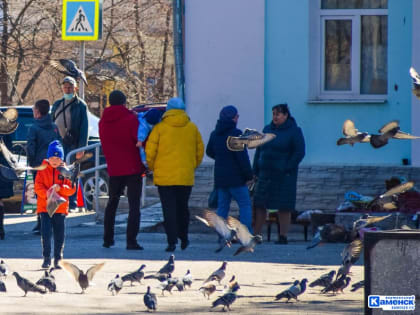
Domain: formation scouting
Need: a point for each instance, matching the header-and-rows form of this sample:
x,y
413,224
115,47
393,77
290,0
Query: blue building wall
x,y
287,55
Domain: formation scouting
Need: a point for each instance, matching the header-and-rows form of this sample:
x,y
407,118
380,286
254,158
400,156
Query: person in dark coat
x,y
232,169
276,168
40,135
118,133
6,186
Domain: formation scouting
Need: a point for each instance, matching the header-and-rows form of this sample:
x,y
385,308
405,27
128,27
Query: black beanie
x,y
117,98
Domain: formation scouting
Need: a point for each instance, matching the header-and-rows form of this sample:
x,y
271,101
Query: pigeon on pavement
x,y
226,300
48,282
356,286
324,280
225,232
2,287
4,269
26,285
162,274
115,285
134,276
81,278
219,274
338,285
150,300
352,135
247,240
187,279
293,291
68,67
208,289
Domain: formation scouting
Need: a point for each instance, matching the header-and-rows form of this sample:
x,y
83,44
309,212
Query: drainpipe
x,y
178,8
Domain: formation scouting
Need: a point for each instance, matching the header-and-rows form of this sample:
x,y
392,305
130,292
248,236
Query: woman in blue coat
x,y
276,167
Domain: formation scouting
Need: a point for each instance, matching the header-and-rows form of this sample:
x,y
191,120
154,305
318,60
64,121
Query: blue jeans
x,y
241,195
57,226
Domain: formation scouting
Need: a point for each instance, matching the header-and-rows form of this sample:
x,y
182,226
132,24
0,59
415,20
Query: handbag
x,y
212,202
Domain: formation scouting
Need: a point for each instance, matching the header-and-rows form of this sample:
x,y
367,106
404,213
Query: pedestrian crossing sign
x,y
82,20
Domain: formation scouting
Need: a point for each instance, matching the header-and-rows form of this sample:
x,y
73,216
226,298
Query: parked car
x,y
19,138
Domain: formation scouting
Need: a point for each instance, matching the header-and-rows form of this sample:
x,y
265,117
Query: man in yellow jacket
x,y
174,150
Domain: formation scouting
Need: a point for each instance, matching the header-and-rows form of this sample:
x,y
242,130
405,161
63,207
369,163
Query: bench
x,y
272,218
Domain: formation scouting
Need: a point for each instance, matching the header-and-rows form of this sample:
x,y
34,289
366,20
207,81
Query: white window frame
x,y
318,17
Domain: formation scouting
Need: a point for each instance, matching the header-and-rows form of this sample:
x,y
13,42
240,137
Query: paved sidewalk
x,y
271,269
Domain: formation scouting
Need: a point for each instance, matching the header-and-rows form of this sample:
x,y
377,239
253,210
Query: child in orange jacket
x,y
44,180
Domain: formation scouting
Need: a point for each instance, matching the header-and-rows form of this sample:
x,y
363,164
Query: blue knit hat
x,y
175,103
228,113
55,149
153,116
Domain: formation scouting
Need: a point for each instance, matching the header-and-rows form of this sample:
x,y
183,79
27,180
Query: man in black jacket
x,y
232,170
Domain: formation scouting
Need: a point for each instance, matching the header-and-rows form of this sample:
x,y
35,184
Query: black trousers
x,y
1,222
52,226
116,188
176,215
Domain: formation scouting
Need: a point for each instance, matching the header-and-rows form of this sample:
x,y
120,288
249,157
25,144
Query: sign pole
x,y
82,67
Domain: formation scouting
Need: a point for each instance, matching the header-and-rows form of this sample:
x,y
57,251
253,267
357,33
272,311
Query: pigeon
x,y
226,300
388,131
330,232
323,281
386,201
344,269
247,240
352,135
168,284
416,82
356,286
208,290
17,166
367,220
162,274
230,287
48,282
72,171
115,285
180,285
82,278
352,251
134,276
218,275
225,232
26,285
250,138
293,291
2,287
338,285
8,121
68,67
187,279
150,300
4,269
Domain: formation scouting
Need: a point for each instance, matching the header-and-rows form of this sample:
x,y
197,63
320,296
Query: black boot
x,y
1,223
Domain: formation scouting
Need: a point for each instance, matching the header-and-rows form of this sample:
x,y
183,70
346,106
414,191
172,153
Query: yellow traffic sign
x,y
82,20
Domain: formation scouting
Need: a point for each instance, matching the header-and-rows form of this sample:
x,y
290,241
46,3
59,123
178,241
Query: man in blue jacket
x,y
232,169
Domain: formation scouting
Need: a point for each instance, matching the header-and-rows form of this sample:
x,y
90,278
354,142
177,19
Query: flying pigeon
x,y
344,269
2,287
338,285
115,285
416,82
247,240
330,232
26,285
82,278
367,220
218,275
226,300
68,67
352,251
150,300
168,268
8,121
388,131
48,282
356,286
4,269
187,279
208,290
386,201
249,138
293,291
323,281
134,276
16,165
225,232
72,171
352,135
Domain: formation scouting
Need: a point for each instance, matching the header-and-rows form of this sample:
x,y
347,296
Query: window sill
x,y
348,101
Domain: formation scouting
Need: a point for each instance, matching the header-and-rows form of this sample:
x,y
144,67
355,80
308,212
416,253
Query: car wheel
x,y
89,187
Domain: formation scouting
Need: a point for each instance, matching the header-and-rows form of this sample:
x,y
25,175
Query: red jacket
x,y
118,133
44,180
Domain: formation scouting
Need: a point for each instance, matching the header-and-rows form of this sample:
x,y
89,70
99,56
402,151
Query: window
x,y
350,52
